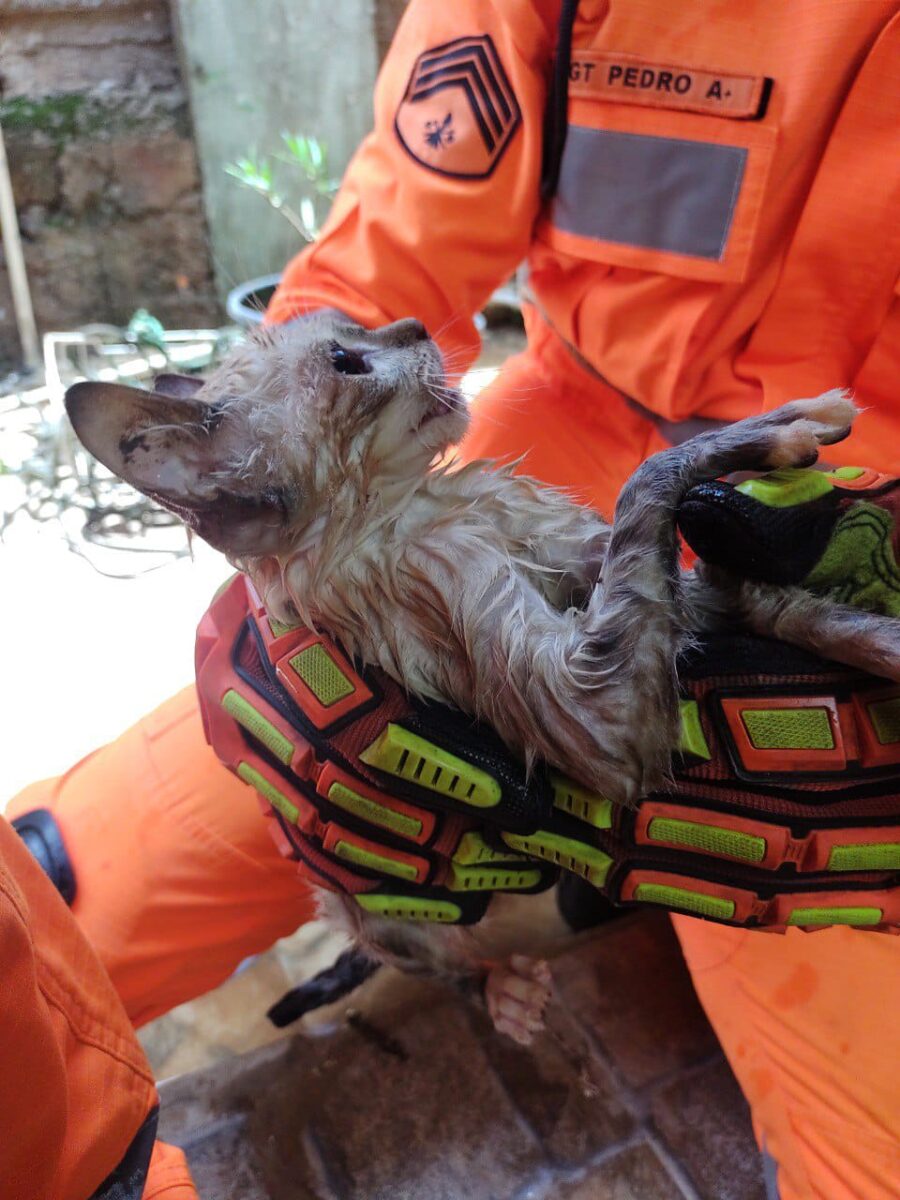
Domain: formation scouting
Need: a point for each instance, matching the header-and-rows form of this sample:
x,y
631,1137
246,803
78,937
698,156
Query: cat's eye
x,y
348,362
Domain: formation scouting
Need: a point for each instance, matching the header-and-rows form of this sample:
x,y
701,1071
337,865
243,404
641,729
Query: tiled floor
x,y
404,1092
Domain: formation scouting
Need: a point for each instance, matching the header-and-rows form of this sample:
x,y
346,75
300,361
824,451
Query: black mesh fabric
x,y
735,654
527,801
770,545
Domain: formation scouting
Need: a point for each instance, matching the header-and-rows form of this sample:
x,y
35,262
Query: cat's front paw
x,y
798,429
516,993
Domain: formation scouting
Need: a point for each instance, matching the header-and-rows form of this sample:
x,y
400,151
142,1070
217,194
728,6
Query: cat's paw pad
x,y
517,993
805,425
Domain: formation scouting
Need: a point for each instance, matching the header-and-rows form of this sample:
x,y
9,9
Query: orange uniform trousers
x,y
178,881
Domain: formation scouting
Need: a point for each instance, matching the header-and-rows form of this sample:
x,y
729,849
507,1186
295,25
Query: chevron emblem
x,y
459,112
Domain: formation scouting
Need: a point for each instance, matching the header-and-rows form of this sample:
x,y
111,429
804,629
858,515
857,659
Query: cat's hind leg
x,y
635,620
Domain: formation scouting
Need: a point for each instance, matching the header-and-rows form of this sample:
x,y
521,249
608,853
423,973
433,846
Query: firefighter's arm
x,y
436,209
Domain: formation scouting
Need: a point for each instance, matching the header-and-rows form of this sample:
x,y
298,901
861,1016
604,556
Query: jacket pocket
x,y
675,193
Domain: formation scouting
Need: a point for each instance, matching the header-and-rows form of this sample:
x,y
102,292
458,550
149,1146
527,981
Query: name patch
x,y
608,76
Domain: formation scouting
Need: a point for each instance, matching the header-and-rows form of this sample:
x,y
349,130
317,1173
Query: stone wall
x,y
104,167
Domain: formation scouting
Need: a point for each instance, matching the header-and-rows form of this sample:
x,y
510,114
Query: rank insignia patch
x,y
458,113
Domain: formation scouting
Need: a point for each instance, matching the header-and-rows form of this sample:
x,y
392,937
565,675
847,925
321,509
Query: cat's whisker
x,y
451,320
453,358
448,399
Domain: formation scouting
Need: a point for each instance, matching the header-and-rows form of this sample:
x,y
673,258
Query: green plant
x,y
310,157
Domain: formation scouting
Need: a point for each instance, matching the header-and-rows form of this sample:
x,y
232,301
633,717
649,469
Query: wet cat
x,y
315,459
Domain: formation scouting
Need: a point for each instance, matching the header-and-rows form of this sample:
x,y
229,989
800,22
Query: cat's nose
x,y
406,332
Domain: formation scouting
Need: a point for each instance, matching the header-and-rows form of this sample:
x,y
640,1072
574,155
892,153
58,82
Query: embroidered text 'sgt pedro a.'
x,y
629,80
458,113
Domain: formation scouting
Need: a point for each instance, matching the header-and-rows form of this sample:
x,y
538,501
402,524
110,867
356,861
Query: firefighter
x,y
705,196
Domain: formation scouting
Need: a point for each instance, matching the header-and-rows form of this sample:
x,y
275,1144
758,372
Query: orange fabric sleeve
x,y
178,876
74,1084
405,238
169,1176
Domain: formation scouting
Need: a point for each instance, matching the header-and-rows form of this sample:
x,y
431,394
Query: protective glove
x,y
373,793
790,766
836,534
784,805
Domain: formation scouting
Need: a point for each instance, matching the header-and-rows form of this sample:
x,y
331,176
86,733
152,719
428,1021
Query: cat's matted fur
x,y
312,458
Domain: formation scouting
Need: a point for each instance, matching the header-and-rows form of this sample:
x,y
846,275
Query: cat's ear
x,y
183,387
180,452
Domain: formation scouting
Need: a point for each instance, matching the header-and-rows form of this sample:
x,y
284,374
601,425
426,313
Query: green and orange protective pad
x,y
836,533
350,773
786,804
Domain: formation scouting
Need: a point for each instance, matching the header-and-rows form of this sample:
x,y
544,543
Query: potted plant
x,y
247,302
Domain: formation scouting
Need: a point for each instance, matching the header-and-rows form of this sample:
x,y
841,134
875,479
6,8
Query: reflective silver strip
x,y
653,192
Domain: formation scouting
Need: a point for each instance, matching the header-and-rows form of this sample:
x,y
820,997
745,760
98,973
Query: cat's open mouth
x,y
444,405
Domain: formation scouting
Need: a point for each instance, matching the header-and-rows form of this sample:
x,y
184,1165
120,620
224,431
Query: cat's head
x,y
296,417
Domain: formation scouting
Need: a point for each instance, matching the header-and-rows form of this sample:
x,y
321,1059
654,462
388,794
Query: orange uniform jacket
x,y
68,1049
725,232
721,234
